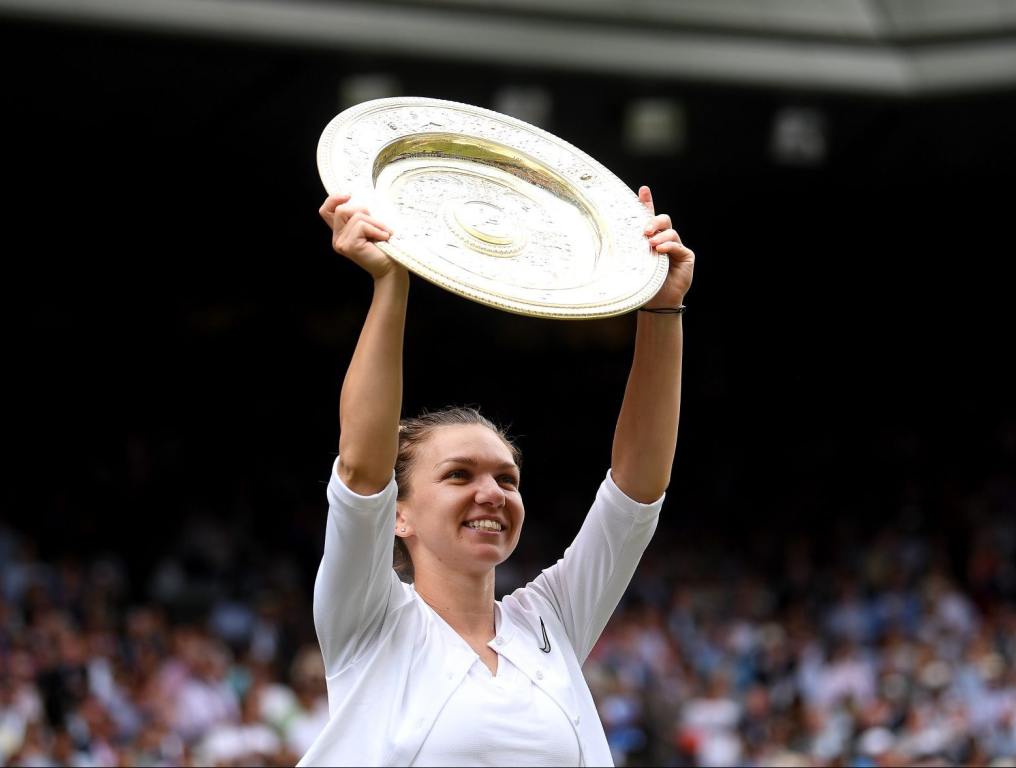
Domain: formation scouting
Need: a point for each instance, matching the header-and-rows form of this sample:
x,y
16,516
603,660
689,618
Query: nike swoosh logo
x,y
546,640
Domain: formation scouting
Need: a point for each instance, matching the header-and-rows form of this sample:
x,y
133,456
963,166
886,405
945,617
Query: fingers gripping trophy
x,y
424,666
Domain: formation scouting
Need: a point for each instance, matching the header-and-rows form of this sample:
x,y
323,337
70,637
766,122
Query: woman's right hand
x,y
354,232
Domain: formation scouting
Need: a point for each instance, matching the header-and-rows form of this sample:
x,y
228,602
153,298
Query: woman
x,y
437,672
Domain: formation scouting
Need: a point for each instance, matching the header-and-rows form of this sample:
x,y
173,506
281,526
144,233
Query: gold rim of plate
x,y
494,209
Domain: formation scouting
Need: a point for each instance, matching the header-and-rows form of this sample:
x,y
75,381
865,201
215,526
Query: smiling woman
x,y
413,439
409,660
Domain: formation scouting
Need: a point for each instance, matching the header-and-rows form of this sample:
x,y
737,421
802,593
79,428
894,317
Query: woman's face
x,y
463,508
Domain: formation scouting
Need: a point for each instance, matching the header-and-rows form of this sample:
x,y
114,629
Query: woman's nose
x,y
489,492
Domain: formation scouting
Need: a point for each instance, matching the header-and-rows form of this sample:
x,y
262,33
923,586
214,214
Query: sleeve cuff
x,y
620,499
339,492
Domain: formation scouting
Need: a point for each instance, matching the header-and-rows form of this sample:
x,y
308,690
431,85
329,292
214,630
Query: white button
x,y
539,674
578,719
420,722
498,640
451,675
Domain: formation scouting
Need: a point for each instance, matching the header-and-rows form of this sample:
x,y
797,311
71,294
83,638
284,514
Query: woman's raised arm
x,y
646,435
371,400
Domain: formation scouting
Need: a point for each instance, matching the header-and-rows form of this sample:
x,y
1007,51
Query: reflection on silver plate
x,y
494,209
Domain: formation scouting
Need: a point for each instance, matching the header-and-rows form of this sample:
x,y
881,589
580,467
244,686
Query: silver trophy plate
x,y
494,209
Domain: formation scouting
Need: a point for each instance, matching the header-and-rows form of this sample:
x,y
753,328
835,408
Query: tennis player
x,y
436,671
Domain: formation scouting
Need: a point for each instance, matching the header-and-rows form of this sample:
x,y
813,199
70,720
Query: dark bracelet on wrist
x,y
678,310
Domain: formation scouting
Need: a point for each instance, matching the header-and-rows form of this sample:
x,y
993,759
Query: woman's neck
x,y
464,601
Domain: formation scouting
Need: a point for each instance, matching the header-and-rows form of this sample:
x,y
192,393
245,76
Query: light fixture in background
x,y
655,127
799,136
364,87
529,103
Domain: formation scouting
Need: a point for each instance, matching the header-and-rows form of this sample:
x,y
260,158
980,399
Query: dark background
x,y
177,326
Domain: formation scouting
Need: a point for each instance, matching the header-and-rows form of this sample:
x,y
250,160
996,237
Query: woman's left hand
x,y
666,241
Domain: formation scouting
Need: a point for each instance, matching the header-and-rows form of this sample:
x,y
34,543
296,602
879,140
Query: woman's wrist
x,y
396,276
673,306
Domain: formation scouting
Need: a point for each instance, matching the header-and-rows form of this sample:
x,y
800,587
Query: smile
x,y
492,526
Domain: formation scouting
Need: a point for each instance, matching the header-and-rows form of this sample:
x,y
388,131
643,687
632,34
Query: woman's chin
x,y
486,556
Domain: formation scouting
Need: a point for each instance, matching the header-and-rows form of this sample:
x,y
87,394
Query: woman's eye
x,y
456,474
509,480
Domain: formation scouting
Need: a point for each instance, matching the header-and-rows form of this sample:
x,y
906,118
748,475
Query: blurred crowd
x,y
192,675
898,650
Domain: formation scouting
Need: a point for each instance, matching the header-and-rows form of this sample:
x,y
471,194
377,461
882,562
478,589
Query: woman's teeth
x,y
484,525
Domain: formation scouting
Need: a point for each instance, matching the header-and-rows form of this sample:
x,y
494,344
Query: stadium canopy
x,y
888,47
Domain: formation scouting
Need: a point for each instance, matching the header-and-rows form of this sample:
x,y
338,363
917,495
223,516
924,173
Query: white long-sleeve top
x,y
391,668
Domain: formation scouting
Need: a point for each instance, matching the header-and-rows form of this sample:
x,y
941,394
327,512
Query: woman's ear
x,y
402,526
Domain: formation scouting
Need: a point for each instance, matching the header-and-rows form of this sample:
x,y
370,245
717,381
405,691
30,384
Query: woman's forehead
x,y
473,442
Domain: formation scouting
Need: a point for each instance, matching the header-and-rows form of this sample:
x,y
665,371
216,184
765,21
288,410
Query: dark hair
x,y
414,432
